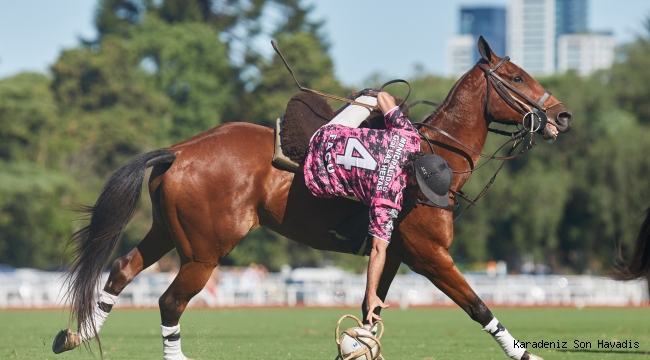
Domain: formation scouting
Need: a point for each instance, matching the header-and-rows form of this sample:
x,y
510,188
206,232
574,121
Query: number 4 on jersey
x,y
364,160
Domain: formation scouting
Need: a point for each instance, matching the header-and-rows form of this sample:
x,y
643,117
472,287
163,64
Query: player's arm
x,y
388,107
386,102
375,268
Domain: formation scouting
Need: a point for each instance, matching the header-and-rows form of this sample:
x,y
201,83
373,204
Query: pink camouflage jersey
x,y
366,163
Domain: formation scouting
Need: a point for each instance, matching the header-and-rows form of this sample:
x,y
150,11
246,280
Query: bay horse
x,y
210,190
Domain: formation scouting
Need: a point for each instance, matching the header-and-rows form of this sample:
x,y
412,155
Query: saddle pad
x,y
305,114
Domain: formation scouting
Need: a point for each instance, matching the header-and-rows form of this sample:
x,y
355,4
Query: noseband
x,y
535,118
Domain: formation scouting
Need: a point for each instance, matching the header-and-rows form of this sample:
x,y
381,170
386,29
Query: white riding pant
x,y
353,115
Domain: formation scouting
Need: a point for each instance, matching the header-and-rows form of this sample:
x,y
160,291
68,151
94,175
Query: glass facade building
x,y
531,35
488,21
570,17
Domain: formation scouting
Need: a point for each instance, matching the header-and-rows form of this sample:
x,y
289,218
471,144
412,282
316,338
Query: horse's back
x,y
224,158
228,134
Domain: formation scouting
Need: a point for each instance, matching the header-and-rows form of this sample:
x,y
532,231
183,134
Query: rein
x,y
515,138
349,101
536,115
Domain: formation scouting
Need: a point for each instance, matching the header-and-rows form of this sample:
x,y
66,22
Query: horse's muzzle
x,y
563,121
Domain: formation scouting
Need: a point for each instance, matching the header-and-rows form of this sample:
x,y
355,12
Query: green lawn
x,y
422,334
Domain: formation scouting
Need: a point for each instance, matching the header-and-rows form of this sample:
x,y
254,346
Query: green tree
x,y
33,192
629,78
159,73
150,86
28,120
106,107
312,66
33,220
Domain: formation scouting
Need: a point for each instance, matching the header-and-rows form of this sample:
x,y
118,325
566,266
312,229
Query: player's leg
x,y
353,115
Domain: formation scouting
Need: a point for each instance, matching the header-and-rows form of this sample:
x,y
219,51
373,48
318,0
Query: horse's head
x,y
513,96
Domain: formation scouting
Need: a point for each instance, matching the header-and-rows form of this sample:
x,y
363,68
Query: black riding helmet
x,y
434,177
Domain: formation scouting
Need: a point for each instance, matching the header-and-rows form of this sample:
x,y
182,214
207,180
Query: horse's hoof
x,y
65,340
529,356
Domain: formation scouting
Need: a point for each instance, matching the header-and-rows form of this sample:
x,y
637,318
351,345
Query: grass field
x,y
422,334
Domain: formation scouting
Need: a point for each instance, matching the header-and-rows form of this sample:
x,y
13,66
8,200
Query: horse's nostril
x,y
564,117
563,121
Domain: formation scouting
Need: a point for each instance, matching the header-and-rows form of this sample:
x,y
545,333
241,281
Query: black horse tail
x,y
639,265
94,244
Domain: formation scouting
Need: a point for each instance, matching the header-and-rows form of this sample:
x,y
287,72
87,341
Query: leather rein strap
x,y
498,84
349,101
501,87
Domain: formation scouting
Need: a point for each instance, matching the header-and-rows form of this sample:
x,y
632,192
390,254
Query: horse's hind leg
x,y
190,281
154,245
202,239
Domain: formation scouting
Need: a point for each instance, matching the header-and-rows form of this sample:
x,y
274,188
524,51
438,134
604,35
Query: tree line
x,y
161,71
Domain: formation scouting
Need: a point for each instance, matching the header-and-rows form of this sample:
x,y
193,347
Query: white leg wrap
x,y
98,315
172,343
503,337
353,115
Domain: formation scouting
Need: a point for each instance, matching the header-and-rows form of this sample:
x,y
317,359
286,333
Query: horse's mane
x,y
444,102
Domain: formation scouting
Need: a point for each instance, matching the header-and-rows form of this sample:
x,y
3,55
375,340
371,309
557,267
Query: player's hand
x,y
373,302
386,102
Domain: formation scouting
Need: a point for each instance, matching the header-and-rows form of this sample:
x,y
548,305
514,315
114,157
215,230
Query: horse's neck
x,y
462,115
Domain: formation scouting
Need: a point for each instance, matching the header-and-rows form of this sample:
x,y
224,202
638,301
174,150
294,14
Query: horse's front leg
x,y
387,275
440,269
431,259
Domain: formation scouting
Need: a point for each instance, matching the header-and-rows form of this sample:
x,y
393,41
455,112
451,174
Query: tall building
x,y
571,17
585,53
486,21
543,36
531,35
460,54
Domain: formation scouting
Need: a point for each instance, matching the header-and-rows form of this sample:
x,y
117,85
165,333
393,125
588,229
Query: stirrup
x,y
279,157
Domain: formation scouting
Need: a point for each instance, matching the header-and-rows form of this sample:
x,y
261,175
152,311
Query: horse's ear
x,y
485,51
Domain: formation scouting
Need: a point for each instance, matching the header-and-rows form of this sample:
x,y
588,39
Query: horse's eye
x,y
518,80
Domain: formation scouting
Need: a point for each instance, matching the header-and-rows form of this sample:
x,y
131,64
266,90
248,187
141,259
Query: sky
x,y
399,35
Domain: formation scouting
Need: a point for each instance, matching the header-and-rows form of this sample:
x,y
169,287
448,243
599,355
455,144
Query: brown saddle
x,y
305,114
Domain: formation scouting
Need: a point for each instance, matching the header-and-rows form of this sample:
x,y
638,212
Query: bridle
x,y
534,120
533,111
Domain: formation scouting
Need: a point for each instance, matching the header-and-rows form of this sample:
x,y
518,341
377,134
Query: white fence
x,y
27,288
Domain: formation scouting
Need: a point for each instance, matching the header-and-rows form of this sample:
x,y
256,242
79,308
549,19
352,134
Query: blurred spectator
x,y
252,277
